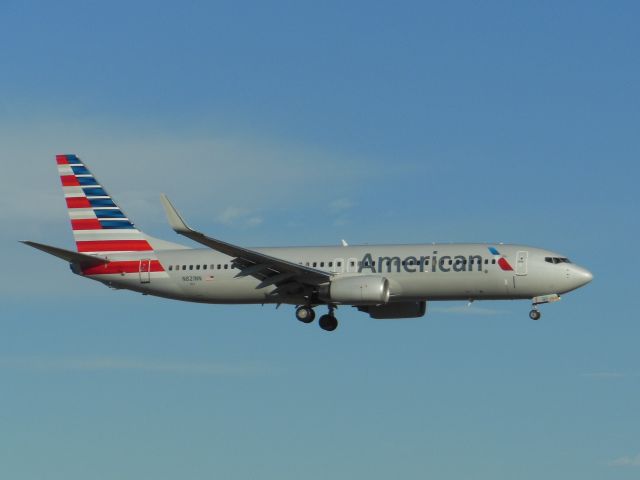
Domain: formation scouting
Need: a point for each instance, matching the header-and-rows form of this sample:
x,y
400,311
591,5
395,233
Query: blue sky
x,y
274,123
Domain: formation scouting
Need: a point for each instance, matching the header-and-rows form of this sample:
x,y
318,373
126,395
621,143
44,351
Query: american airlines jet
x,y
383,281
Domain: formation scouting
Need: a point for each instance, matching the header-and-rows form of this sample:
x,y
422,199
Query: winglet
x,y
174,218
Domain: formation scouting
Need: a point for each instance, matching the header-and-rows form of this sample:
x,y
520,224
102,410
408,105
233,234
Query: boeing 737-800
x,y
384,281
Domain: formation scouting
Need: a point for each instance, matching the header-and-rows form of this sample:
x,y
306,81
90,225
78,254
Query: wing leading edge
x,y
271,270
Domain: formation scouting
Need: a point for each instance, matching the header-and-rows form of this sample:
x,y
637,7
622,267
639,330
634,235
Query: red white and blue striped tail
x,y
99,225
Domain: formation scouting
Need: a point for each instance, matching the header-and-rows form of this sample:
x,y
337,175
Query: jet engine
x,y
357,290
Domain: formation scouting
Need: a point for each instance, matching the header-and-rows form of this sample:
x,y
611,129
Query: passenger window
x,y
204,267
315,264
307,264
170,267
197,267
493,261
226,266
353,264
486,261
219,267
184,267
322,264
190,267
330,264
339,264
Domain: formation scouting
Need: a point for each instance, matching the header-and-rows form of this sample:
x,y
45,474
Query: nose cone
x,y
582,276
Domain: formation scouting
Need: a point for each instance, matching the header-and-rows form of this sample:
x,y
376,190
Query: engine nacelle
x,y
357,290
396,310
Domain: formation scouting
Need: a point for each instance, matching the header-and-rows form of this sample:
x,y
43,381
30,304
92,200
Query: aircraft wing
x,y
271,270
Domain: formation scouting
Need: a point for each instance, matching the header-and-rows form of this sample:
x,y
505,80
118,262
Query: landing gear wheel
x,y
305,314
328,322
534,315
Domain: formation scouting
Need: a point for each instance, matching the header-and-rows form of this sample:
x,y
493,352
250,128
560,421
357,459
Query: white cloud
x,y
242,216
97,364
626,461
207,173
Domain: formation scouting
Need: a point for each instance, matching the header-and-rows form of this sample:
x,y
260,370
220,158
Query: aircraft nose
x,y
583,276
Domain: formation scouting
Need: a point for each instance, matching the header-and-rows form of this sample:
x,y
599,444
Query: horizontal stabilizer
x,y
68,255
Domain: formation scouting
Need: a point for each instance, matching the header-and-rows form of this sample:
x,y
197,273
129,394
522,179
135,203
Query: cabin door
x,y
521,262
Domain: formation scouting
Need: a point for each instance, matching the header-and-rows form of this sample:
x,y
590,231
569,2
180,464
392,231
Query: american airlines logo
x,y
431,263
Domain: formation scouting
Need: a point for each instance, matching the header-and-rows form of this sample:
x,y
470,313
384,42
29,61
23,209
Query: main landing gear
x,y
535,314
305,314
327,322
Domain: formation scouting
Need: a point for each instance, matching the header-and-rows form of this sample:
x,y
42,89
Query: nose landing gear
x,y
534,314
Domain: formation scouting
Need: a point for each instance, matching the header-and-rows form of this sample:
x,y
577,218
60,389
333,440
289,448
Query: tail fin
x,y
98,224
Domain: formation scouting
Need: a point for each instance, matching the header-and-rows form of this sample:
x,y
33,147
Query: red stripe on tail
x,y
69,181
78,202
113,246
86,224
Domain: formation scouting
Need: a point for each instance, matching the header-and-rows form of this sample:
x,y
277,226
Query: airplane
x,y
383,281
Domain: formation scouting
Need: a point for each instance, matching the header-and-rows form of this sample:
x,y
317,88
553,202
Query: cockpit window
x,y
557,260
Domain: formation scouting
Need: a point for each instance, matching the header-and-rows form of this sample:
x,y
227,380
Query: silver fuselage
x,y
415,272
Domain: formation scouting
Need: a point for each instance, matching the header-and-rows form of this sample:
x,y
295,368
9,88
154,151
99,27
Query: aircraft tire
x,y
328,322
305,314
534,315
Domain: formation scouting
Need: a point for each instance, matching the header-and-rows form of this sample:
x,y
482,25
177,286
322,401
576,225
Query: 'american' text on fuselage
x,y
413,264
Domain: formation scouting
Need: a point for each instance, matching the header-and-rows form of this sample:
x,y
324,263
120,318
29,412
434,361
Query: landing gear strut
x,y
305,314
